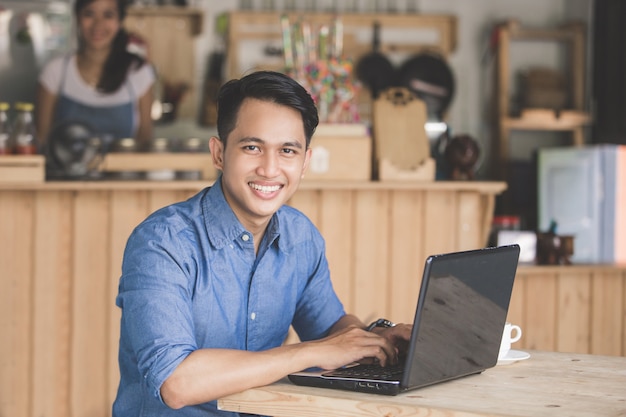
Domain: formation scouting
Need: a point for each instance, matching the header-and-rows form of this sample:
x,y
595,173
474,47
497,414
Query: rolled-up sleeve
x,y
154,296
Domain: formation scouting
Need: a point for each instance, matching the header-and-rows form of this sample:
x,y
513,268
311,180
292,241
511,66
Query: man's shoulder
x,y
179,213
296,224
293,214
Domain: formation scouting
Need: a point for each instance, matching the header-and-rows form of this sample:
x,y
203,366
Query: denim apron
x,y
113,122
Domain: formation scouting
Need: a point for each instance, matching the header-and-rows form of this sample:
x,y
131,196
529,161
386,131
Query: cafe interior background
x,y
63,326
202,60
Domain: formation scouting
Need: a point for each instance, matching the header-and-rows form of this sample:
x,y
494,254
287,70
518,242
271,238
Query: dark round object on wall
x,y
429,77
374,68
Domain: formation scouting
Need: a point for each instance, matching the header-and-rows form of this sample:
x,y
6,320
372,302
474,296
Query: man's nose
x,y
270,164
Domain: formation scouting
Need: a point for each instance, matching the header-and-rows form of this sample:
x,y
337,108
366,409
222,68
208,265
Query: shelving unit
x,y
572,119
418,33
254,40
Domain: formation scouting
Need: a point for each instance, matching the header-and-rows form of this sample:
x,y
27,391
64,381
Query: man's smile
x,y
265,188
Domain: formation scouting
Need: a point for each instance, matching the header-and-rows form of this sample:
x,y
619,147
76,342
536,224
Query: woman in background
x,y
102,85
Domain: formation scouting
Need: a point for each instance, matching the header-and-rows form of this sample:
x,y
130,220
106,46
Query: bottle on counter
x,y
6,148
24,135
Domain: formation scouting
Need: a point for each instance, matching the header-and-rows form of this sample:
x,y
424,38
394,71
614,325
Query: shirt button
x,y
245,238
253,316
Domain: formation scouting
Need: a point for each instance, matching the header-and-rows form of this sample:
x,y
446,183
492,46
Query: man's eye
x,y
289,151
251,147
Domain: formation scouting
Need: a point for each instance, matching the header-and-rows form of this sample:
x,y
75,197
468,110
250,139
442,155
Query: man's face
x,y
264,160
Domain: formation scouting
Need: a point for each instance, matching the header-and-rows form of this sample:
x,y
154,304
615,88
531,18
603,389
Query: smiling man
x,y
210,286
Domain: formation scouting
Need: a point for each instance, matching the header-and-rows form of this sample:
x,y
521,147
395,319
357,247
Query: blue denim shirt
x,y
191,280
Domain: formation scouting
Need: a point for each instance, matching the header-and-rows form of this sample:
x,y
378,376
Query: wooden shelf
x,y
250,32
566,33
195,16
201,162
22,169
573,119
245,26
545,119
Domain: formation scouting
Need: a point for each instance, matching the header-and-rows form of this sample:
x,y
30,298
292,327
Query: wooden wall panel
x,y
369,258
90,304
408,241
52,304
579,308
573,312
540,320
607,313
469,220
440,229
16,227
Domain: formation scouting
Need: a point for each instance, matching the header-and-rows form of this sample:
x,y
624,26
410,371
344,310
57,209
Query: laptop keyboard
x,y
376,372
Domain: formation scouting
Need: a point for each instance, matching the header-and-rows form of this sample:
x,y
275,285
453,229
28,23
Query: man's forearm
x,y
348,320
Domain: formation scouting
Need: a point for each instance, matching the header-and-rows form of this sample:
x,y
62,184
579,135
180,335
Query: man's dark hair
x,y
268,86
120,59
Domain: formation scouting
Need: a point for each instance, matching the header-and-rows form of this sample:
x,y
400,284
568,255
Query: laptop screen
x,y
461,313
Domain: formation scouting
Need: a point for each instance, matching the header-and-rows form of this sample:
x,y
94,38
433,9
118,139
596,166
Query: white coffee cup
x,y
511,334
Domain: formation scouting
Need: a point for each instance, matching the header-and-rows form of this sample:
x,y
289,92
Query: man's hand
x,y
354,344
398,335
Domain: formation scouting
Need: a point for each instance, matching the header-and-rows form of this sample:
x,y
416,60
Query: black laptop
x,y
460,315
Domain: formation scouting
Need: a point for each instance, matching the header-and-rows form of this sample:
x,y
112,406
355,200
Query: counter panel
x,y
579,308
62,245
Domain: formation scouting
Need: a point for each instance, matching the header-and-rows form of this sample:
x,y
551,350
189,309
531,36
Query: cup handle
x,y
518,333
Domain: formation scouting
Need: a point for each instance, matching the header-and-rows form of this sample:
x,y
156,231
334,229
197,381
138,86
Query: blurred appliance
x,y
31,32
582,190
75,152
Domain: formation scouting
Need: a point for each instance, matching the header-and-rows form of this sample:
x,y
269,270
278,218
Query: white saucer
x,y
513,356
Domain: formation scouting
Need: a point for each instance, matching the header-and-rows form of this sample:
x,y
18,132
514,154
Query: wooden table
x,y
547,384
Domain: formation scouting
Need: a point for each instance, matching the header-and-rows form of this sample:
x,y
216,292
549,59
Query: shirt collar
x,y
222,225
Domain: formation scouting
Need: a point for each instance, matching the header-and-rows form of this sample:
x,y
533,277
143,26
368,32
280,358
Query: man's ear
x,y
217,152
307,160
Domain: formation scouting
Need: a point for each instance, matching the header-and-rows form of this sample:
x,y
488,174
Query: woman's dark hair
x,y
120,59
269,86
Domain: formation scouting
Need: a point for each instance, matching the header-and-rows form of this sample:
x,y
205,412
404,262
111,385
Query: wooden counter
x,y
576,308
62,245
62,242
546,385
